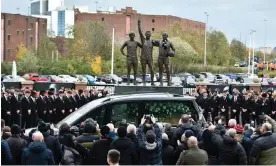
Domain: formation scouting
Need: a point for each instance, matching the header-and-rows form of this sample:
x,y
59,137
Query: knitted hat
x,y
239,129
105,131
189,133
150,136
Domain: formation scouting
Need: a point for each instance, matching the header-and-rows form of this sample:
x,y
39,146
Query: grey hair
x,y
232,122
165,136
267,126
231,132
131,129
37,136
192,141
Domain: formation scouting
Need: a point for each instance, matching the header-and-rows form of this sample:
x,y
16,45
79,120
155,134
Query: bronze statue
x,y
132,60
166,50
146,54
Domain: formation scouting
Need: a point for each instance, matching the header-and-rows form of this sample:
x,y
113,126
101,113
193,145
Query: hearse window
x,y
124,112
96,114
170,111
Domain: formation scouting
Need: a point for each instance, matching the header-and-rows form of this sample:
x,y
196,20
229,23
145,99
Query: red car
x,y
36,78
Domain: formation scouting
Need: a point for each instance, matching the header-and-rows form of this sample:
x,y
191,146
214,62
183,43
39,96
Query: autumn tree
x,y
238,50
96,65
21,52
28,64
45,48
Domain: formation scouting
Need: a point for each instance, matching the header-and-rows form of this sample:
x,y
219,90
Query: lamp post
x,y
205,47
112,52
249,56
265,43
253,49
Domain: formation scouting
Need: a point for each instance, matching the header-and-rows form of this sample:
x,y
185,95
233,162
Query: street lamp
x,y
253,49
264,42
206,28
112,52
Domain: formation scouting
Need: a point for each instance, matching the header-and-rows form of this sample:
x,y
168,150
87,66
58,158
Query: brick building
x,y
126,19
19,29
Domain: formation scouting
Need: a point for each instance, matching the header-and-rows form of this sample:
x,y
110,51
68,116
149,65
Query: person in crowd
x,y
51,106
231,152
33,106
167,151
89,135
64,129
240,130
264,148
185,125
98,152
75,130
17,144
6,133
131,134
6,156
273,106
224,104
150,144
208,145
2,123
247,142
112,133
42,110
51,142
193,156
70,155
182,144
169,131
60,106
37,152
113,157
26,110
245,108
126,148
6,107
16,107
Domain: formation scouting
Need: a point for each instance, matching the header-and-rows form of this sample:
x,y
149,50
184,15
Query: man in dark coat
x,y
16,108
150,144
51,107
37,152
224,106
167,151
231,152
6,108
6,156
235,103
126,148
98,152
42,110
26,110
60,107
16,144
51,142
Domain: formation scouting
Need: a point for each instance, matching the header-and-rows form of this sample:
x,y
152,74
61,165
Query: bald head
x,y
111,127
232,123
185,118
37,136
266,127
192,142
212,128
131,129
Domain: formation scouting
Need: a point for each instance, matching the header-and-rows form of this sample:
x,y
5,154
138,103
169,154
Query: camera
x,y
164,44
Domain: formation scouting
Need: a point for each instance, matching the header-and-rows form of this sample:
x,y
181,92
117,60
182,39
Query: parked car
x,y
9,78
176,81
232,76
124,79
223,79
36,77
81,78
46,76
131,108
190,80
237,64
55,78
210,77
67,78
112,78
243,64
90,79
183,76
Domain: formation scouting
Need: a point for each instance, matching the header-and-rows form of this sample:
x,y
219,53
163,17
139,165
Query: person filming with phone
x,y
150,141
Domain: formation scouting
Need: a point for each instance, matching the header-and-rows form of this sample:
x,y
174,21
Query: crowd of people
x,y
27,107
247,106
150,143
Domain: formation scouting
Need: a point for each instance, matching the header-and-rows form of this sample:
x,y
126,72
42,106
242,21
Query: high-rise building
x,y
59,18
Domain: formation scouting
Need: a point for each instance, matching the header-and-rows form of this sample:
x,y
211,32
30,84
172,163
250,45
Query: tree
x,y
218,52
28,64
185,54
238,50
45,48
90,40
96,65
21,52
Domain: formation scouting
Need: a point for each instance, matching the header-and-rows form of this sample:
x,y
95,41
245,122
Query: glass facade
x,y
61,23
35,8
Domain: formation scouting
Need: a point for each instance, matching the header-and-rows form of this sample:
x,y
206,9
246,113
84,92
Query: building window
x,y
9,52
32,25
153,20
9,37
31,39
9,22
152,29
23,32
61,23
17,32
43,25
103,19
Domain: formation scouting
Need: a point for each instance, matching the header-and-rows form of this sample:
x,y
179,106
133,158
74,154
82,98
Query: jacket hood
x,y
131,136
229,140
122,144
37,147
151,146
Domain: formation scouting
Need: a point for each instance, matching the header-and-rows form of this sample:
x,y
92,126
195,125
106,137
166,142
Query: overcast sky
x,y
234,17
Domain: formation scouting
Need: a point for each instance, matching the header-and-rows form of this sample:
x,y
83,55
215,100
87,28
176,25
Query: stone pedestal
x,y
126,89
